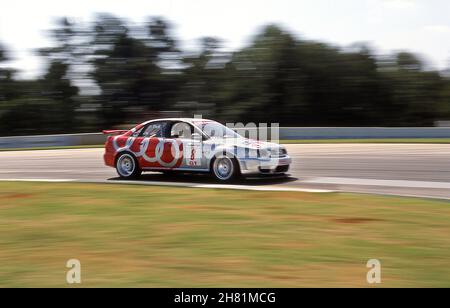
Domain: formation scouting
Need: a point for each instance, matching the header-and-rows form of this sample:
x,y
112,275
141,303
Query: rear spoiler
x,y
114,132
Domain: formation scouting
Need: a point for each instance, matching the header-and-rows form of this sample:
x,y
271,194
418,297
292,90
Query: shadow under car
x,y
199,178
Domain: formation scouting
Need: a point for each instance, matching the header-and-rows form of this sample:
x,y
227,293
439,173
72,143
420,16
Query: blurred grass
x,y
132,236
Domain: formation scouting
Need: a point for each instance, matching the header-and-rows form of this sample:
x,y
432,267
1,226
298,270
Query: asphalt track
x,y
421,170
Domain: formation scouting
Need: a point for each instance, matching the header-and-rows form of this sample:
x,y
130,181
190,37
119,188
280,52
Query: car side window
x,y
154,130
138,132
181,130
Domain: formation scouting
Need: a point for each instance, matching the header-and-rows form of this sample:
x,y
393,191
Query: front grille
x,y
279,169
282,169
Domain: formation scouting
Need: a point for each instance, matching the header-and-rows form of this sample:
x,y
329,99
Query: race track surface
x,y
421,170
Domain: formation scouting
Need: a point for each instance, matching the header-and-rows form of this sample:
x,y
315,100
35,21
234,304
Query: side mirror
x,y
196,136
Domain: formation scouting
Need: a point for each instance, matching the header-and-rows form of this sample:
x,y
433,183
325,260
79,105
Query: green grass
x,y
132,236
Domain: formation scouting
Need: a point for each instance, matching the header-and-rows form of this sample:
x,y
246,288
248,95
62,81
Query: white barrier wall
x,y
286,133
51,141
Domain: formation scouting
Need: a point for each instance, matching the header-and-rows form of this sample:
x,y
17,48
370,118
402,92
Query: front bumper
x,y
252,166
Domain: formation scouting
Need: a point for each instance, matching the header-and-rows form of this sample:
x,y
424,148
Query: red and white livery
x,y
194,145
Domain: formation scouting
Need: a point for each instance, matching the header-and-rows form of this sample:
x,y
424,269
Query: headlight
x,y
278,152
251,153
264,154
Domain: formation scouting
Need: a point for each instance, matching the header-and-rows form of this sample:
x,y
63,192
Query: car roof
x,y
189,120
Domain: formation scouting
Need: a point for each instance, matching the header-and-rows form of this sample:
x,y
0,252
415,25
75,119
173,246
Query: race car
x,y
191,145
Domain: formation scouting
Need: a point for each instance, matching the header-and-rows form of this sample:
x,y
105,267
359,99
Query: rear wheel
x,y
127,166
225,169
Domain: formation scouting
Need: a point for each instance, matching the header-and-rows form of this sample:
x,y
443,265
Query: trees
x,y
204,79
414,94
281,78
63,70
284,79
7,91
113,73
131,71
268,79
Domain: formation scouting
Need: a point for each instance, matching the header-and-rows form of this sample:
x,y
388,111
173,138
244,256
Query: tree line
x,y
111,73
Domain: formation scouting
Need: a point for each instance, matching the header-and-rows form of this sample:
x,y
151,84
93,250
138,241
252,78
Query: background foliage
x,y
110,74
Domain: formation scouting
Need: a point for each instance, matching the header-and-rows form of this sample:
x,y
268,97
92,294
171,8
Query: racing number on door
x,y
192,161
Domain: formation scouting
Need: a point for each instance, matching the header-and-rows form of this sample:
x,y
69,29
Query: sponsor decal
x,y
165,153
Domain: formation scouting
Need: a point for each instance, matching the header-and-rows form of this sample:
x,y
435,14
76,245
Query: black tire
x,y
225,168
127,166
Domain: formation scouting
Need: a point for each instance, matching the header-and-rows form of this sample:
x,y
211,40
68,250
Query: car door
x,y
192,144
152,146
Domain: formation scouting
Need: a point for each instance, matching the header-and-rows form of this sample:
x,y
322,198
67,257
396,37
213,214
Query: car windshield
x,y
216,130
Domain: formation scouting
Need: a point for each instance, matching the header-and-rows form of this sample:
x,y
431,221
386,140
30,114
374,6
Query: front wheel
x,y
225,169
127,166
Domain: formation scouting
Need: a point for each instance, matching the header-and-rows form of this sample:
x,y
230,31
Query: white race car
x,y
194,145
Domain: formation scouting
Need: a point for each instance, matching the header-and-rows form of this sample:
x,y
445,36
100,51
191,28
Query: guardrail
x,y
51,141
286,133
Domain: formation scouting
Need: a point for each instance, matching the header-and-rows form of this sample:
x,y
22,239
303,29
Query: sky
x,y
421,26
